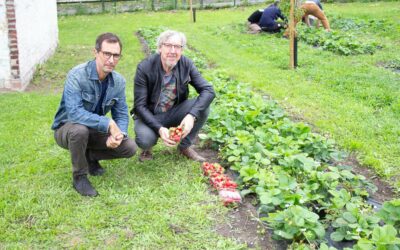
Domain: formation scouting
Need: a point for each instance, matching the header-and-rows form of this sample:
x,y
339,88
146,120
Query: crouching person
x,y
80,125
161,89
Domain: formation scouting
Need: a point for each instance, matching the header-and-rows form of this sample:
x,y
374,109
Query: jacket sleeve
x,y
119,111
140,91
281,16
205,90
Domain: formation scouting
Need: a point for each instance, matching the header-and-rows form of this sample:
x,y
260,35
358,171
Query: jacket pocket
x,y
89,101
110,103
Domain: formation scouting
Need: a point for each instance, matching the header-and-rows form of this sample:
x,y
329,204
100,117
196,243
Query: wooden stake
x,y
191,10
292,30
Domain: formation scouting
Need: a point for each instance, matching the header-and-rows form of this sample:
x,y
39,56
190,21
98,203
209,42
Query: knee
x,y
78,132
146,141
130,148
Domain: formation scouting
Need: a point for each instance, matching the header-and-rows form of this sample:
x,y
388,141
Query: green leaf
x,y
284,234
386,234
349,217
337,236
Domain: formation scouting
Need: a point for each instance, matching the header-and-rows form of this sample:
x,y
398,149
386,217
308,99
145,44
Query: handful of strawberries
x,y
175,133
225,186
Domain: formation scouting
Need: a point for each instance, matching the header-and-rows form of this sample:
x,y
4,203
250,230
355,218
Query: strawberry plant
x,y
296,223
355,223
390,213
336,41
384,238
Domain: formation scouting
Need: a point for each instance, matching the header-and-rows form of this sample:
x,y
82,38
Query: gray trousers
x,y
86,144
147,137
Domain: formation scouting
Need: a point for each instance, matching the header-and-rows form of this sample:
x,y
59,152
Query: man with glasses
x,y
161,90
91,90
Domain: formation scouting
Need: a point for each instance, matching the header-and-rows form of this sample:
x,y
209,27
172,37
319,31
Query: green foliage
x,y
383,238
354,223
390,213
296,223
343,43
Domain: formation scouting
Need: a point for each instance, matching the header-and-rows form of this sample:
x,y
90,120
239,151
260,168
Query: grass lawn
x,y
347,98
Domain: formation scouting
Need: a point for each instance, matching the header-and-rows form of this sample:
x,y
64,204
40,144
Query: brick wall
x,y
5,68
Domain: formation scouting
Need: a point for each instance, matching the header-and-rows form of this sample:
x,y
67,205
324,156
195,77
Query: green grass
x,y
346,98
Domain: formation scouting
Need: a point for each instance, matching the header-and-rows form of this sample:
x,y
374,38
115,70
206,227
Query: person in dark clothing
x,y
253,21
268,21
161,91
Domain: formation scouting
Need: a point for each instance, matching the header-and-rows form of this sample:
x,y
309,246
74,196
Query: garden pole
x,y
194,15
103,7
291,34
191,8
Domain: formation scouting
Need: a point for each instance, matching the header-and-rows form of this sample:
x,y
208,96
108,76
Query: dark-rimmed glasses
x,y
108,55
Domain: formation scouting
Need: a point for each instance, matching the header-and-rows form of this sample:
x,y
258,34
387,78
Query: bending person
x,y
253,20
268,21
315,9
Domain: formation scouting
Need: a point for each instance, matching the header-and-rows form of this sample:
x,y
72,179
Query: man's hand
x,y
164,135
114,142
116,136
187,125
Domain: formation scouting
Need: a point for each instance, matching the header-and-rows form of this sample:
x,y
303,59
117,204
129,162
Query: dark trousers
x,y
147,137
275,28
86,144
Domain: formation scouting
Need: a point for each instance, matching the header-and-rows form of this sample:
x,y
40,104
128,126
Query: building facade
x,y
28,37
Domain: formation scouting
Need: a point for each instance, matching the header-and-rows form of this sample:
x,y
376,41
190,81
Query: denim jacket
x,y
81,94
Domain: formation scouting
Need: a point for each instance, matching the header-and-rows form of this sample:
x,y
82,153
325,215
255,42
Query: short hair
x,y
108,37
164,36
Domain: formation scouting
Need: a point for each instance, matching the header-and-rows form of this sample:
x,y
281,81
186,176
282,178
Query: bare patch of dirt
x,y
384,191
243,225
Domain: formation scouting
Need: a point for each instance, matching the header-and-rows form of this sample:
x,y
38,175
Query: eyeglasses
x,y
108,55
175,46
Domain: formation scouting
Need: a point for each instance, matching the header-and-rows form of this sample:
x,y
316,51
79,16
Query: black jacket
x,y
147,88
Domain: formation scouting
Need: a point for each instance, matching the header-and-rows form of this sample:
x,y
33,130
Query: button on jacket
x,y
81,94
147,88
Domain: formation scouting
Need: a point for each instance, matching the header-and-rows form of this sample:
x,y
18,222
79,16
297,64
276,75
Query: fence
x,y
72,7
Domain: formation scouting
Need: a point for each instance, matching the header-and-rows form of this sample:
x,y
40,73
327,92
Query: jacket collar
x,y
94,76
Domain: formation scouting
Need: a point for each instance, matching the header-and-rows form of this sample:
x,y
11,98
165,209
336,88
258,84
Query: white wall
x,y
37,31
5,69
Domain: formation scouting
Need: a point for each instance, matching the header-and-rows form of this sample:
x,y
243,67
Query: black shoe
x,y
95,168
83,186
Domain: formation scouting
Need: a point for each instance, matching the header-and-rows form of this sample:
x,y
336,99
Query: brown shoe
x,y
146,155
191,154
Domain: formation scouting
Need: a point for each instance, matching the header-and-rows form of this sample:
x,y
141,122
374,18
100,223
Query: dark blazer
x,y
147,88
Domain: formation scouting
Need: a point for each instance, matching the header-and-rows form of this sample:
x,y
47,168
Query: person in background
x,y
314,8
91,90
161,90
268,21
253,20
